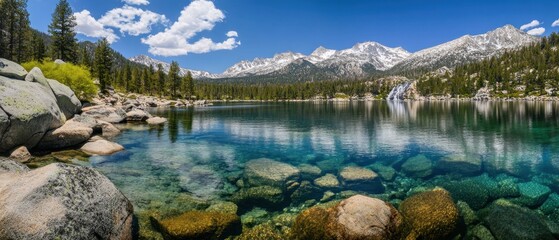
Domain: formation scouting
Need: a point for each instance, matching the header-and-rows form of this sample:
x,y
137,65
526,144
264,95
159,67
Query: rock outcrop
x,y
70,134
61,201
30,106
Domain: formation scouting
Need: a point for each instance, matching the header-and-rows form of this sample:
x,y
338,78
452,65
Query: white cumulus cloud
x,y
198,16
536,31
136,2
131,20
87,25
232,34
533,23
556,23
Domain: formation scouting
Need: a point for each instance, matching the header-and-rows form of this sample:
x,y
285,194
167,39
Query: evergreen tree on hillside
x,y
103,63
173,78
187,86
62,31
145,87
134,81
38,47
126,78
15,33
161,80
84,58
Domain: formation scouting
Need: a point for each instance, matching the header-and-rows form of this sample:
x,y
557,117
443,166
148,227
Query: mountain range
x,y
365,59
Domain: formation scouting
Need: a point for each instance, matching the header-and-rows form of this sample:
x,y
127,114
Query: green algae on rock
x,y
200,225
418,166
431,214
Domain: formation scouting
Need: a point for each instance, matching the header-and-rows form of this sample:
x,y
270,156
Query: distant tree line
x,y
527,71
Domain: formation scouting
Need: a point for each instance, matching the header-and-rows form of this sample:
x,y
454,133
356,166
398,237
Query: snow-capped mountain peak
x,y
468,48
148,61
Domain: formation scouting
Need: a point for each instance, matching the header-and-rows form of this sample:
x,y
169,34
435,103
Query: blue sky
x,y
213,35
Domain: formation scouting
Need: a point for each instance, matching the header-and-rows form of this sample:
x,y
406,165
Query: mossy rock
x,y
224,207
480,232
385,172
532,194
551,204
311,225
431,214
264,231
469,191
510,222
262,196
309,172
418,166
200,225
306,191
469,216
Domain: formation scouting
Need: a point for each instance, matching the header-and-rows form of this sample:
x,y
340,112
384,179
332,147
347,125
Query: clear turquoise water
x,y
200,152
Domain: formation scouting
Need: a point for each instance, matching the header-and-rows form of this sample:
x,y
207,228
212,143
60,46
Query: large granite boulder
x,y
358,217
70,134
137,115
67,101
32,111
100,146
10,166
361,217
105,113
11,69
61,201
265,171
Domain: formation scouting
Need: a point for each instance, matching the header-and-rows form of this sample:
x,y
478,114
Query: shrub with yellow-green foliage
x,y
78,78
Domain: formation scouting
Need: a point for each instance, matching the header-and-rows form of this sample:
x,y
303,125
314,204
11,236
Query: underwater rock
x,y
264,231
358,217
510,222
309,172
532,194
460,163
480,232
387,173
431,214
200,225
62,201
551,204
311,224
361,217
224,207
328,181
262,196
469,191
467,213
360,179
306,191
265,171
418,166
327,196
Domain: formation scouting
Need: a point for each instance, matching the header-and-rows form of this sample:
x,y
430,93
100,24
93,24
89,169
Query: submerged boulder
x,y
511,222
431,214
61,201
361,179
532,194
265,171
262,196
358,217
418,166
200,225
465,164
328,181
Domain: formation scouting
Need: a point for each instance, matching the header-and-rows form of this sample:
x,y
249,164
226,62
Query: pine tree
x,y
127,76
15,33
187,86
103,63
173,78
62,30
161,80
134,80
84,57
38,47
145,87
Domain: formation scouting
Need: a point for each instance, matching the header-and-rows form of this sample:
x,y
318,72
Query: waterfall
x,y
398,92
